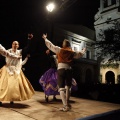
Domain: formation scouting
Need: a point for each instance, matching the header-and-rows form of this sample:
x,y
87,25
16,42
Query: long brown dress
x,y
14,86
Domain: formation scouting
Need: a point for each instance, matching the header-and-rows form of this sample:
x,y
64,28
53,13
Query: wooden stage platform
x,y
37,109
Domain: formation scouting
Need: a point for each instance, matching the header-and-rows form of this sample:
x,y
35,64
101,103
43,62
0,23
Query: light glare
x,y
50,7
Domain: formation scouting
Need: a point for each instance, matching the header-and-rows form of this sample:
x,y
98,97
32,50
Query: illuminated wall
x,y
108,12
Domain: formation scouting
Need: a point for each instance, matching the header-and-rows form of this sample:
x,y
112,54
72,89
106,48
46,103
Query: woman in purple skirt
x,y
48,80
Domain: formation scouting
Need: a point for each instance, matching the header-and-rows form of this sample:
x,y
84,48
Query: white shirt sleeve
x,y
52,47
6,53
24,61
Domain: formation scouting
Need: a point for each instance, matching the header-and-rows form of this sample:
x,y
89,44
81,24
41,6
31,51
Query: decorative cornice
x,y
110,65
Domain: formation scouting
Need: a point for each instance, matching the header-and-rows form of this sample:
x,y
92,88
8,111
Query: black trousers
x,y
64,77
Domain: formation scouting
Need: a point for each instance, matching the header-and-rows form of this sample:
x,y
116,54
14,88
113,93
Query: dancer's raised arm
x,y
6,53
50,45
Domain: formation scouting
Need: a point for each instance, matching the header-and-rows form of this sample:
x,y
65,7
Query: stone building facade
x,y
109,11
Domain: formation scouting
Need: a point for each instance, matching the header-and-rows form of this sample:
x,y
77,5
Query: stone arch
x,y
110,77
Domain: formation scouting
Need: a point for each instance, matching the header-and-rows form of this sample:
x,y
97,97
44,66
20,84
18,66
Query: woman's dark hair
x,y
67,43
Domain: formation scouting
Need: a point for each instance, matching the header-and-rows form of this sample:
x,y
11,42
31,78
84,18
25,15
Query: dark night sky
x,y
19,17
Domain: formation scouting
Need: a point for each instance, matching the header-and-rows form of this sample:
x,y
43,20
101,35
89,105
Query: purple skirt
x,y
48,81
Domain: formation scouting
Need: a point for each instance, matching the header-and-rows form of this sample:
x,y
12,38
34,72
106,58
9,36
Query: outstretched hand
x,y
44,36
30,36
48,52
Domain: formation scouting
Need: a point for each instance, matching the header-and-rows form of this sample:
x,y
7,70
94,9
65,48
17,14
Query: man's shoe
x,y
69,105
64,109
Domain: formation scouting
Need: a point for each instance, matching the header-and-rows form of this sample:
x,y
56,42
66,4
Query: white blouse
x,y
14,65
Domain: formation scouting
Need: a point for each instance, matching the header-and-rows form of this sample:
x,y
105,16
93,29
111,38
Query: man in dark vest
x,y
65,56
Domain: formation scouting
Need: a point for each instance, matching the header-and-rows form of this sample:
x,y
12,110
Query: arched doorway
x,y
110,77
88,77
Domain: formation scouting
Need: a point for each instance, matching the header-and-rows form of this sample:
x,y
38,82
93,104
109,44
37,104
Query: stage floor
x,y
37,109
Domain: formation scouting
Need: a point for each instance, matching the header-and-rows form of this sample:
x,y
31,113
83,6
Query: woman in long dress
x,y
14,86
48,80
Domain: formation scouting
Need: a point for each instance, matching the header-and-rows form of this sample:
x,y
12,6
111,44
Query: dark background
x,y
20,17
